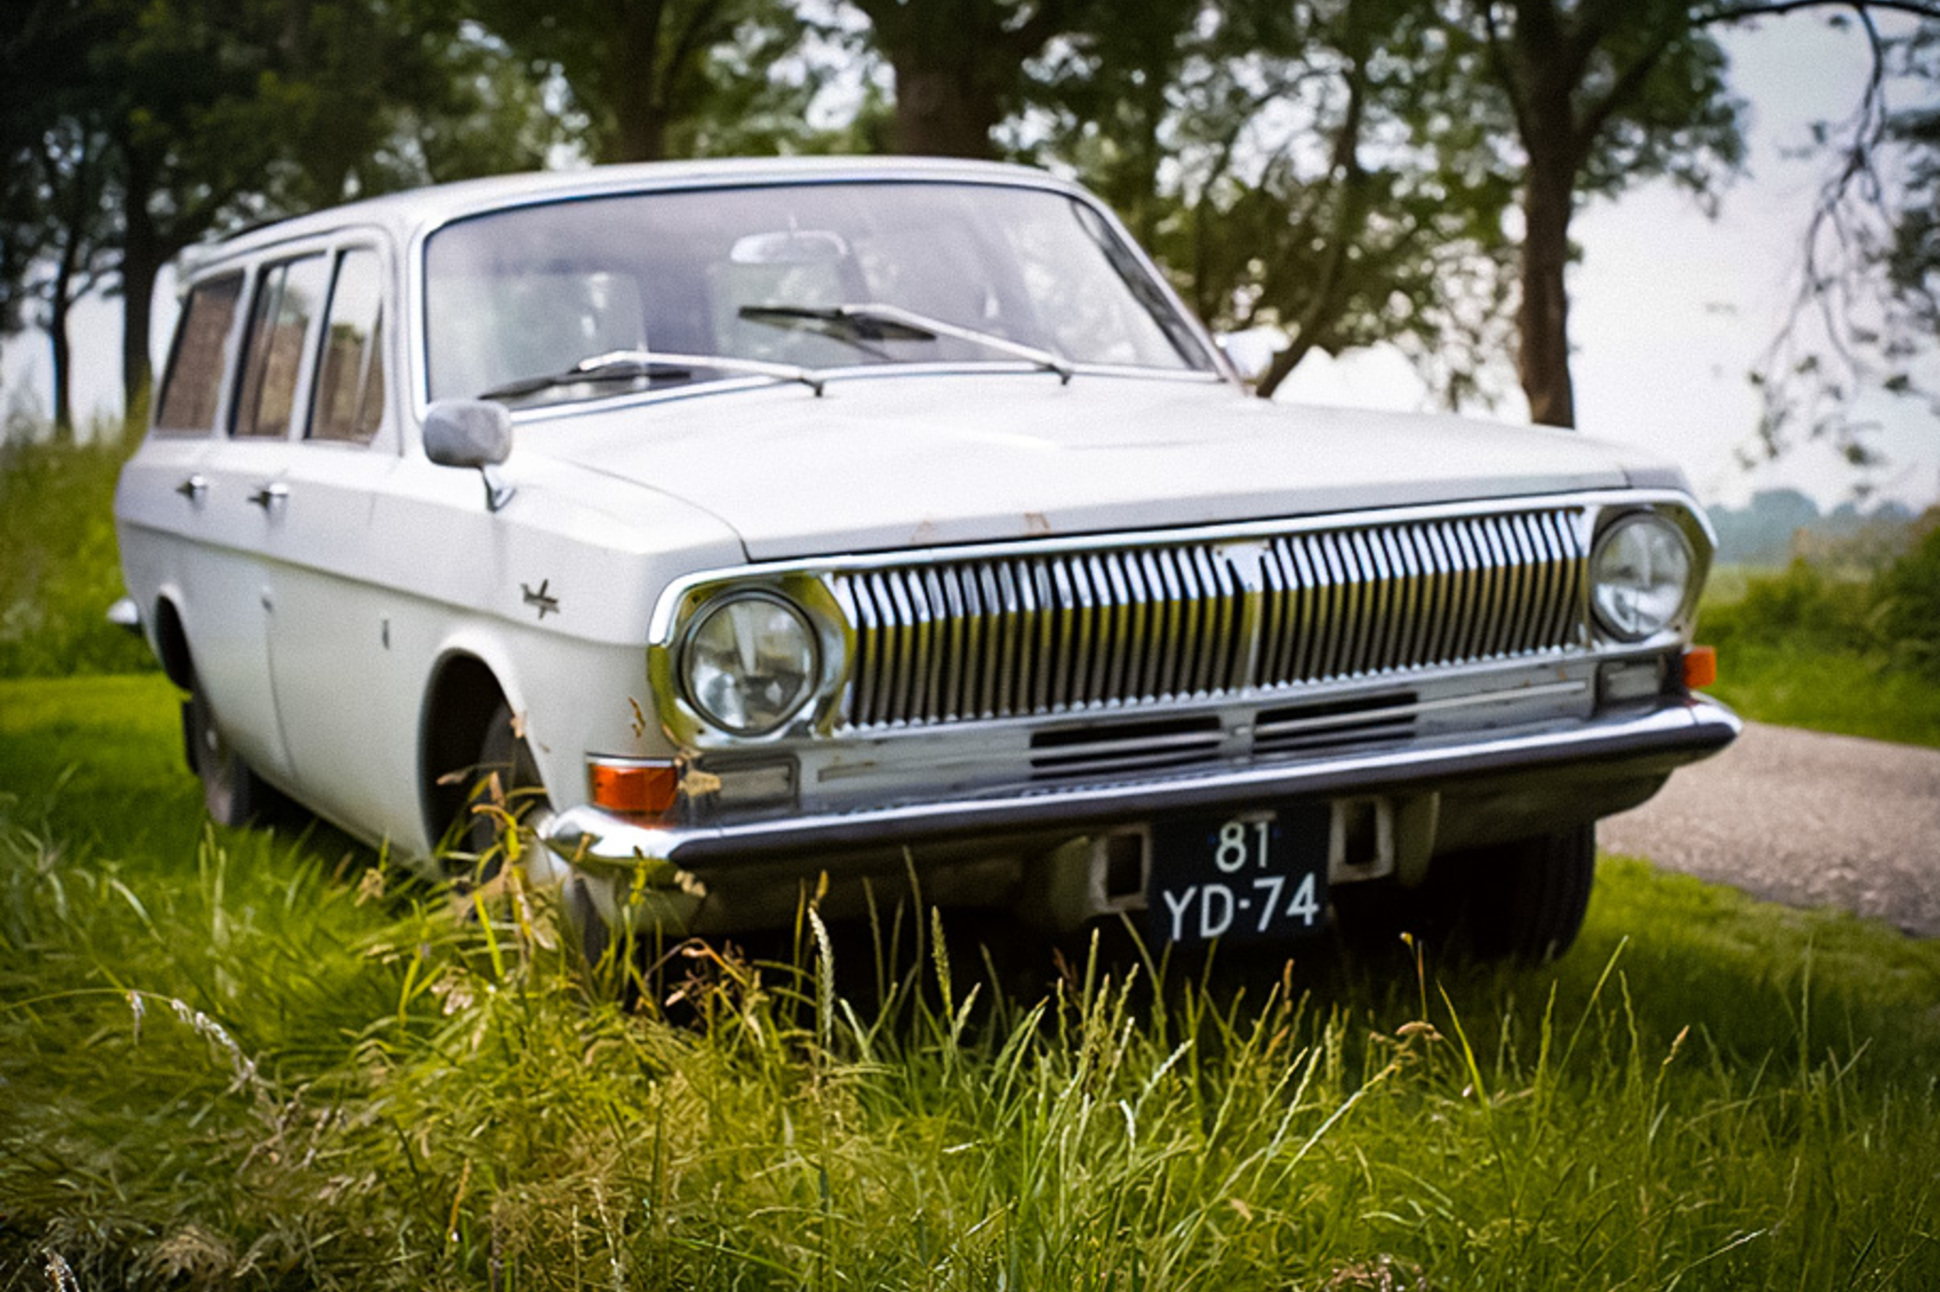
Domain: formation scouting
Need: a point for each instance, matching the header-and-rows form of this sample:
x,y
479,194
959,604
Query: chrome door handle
x,y
194,487
268,495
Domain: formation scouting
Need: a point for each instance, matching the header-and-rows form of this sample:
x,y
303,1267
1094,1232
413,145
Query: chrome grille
x,y
1047,633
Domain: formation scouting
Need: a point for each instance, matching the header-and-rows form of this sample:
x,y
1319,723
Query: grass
x,y
58,567
263,1059
1840,691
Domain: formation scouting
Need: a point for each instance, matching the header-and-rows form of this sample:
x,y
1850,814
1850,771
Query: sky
x,y
1670,309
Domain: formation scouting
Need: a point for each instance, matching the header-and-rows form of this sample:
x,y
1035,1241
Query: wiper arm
x,y
878,322
629,365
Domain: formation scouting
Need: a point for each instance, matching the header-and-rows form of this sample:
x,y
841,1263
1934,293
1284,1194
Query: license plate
x,y
1243,877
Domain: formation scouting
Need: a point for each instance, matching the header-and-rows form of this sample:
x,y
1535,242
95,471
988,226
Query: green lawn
x,y
1828,690
260,1059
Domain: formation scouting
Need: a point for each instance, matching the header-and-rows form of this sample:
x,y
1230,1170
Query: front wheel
x,y
508,803
503,822
1521,902
1525,901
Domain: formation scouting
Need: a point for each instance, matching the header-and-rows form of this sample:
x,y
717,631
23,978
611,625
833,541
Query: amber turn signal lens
x,y
636,788
1700,667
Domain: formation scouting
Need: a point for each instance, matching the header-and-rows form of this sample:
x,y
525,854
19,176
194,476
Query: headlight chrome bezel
x,y
1610,620
692,689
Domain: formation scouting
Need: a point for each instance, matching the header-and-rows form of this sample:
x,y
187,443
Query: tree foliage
x,y
649,79
1911,255
1342,172
196,115
1356,197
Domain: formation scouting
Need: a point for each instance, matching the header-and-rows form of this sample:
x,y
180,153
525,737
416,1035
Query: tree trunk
x,y
944,111
57,343
643,132
141,262
635,66
1542,316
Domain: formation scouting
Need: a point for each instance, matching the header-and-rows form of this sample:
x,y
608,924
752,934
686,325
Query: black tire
x,y
1524,902
504,752
232,793
1521,903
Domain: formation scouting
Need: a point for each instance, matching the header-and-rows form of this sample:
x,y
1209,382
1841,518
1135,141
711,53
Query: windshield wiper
x,y
631,365
877,322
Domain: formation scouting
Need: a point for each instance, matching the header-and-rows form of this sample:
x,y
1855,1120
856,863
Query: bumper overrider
x,y
1521,781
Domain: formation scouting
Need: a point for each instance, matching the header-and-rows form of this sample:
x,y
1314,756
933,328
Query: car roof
x,y
407,213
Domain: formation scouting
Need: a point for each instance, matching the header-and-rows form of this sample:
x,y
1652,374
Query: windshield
x,y
519,298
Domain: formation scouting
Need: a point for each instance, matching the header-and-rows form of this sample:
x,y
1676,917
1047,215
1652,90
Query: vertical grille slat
x,y
1031,634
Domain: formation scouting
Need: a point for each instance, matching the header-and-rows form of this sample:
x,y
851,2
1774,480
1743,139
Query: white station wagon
x,y
776,523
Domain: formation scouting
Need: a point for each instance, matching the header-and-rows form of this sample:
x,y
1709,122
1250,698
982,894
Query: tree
x,y
183,117
70,173
1602,93
53,181
959,65
1317,168
660,78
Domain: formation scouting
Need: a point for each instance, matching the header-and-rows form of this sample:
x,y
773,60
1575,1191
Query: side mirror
x,y
467,433
473,433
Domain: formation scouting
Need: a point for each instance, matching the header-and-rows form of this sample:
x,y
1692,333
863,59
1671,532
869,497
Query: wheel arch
x,y
171,643
463,694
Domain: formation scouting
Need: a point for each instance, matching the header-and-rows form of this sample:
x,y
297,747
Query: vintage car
x,y
854,526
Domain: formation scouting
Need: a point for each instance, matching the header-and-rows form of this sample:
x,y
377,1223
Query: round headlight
x,y
750,663
1640,574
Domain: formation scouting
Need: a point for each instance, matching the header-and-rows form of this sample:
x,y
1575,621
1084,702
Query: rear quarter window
x,y
193,385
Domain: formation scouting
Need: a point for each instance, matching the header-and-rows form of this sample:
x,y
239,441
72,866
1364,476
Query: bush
x,y
59,569
1891,610
1909,611
1800,607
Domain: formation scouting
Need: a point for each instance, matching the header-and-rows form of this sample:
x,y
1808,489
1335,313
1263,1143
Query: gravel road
x,y
1803,818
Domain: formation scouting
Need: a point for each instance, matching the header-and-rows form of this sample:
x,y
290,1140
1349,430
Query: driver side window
x,y
349,402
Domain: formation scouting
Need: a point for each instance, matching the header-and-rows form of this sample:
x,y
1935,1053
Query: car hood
x,y
883,462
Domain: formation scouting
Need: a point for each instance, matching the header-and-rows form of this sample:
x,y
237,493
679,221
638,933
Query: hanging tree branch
x,y
1851,326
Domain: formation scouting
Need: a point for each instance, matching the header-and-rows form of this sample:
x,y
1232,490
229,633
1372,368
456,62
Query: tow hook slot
x,y
1360,842
1380,835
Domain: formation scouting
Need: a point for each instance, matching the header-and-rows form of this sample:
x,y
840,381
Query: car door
x,y
346,699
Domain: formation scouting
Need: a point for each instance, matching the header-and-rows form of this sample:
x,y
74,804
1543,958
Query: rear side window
x,y
288,296
193,385
350,376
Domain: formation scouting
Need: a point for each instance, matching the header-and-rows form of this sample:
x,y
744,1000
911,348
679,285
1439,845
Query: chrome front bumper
x,y
1627,747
